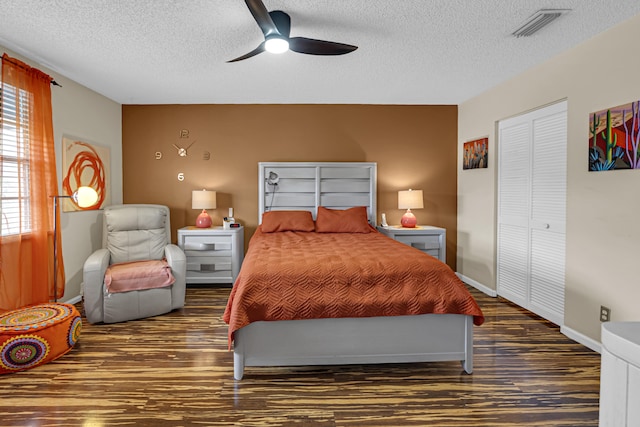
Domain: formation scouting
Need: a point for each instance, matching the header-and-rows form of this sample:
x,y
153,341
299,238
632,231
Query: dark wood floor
x,y
175,370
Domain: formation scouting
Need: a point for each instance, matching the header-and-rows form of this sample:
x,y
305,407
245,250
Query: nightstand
x,y
214,255
430,240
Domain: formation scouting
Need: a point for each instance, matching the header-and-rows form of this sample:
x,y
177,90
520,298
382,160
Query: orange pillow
x,y
274,221
352,220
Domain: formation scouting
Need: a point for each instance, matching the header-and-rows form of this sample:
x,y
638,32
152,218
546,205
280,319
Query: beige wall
x,y
414,147
82,113
602,208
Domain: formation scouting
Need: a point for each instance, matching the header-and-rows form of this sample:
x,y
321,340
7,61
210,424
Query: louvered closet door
x,y
513,211
532,210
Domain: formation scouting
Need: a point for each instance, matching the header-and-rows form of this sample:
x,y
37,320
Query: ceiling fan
x,y
276,25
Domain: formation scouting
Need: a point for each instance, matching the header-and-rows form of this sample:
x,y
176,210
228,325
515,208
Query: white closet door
x,y
548,212
513,211
532,210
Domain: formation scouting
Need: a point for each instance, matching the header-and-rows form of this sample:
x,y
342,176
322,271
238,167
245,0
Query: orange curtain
x,y
26,257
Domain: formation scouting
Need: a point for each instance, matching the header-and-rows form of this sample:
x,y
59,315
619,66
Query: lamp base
x,y
408,220
203,220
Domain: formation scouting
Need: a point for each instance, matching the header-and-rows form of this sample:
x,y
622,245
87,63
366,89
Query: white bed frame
x,y
392,339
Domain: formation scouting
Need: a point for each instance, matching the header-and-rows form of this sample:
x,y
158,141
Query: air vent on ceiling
x,y
538,20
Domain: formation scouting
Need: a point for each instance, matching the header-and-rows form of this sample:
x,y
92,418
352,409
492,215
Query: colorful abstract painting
x,y
84,164
614,138
476,154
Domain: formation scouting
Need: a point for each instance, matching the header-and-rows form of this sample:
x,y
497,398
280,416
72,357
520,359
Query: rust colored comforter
x,y
304,275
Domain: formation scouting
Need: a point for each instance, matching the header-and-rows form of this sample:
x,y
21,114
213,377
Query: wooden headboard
x,y
307,185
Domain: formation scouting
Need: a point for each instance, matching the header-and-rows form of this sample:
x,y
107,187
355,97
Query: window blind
x,y
14,161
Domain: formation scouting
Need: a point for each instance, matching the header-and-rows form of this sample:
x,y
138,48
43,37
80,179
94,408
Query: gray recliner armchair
x,y
133,232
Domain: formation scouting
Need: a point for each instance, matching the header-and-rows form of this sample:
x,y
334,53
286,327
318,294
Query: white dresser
x,y
214,255
620,375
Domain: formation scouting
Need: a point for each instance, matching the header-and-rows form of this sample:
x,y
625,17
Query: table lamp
x,y
409,199
203,199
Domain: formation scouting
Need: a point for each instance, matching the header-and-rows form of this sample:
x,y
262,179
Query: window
x,y
14,161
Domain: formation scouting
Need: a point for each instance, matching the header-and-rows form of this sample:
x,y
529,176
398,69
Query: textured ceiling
x,y
410,51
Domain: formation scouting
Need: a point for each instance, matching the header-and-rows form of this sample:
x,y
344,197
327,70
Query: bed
x,y
320,286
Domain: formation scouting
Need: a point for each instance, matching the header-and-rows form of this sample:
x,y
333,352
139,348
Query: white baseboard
x,y
75,299
479,286
565,330
581,339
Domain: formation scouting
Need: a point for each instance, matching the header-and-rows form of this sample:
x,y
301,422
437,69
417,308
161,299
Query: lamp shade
x,y
85,197
203,199
410,199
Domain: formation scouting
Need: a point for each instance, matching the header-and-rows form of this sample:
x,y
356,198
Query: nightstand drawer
x,y
422,242
207,243
433,252
196,253
204,263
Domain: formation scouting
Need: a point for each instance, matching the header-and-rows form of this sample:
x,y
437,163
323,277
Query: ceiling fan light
x,y
276,45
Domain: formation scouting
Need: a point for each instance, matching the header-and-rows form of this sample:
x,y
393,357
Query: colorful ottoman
x,y
37,334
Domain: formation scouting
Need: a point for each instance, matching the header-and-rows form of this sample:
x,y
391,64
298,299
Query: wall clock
x,y
182,151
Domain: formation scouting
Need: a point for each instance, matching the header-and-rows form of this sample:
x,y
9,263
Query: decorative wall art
x,y
476,154
84,164
614,138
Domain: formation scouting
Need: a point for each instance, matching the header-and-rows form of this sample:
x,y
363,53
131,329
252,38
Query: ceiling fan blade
x,y
262,17
319,47
282,21
254,52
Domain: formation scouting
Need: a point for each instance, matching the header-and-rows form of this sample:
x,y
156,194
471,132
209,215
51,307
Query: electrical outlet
x,y
605,313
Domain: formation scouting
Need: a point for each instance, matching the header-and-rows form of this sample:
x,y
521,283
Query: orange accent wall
x,y
414,147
